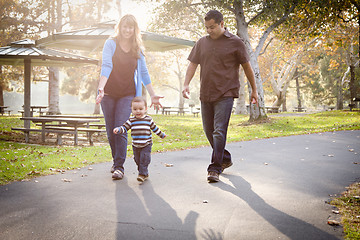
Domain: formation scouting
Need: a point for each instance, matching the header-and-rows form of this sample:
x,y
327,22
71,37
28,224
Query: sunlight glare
x,y
141,10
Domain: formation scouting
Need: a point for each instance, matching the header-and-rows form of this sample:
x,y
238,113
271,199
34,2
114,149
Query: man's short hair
x,y
214,14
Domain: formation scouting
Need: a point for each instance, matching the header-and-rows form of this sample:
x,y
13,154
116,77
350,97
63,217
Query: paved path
x,y
276,189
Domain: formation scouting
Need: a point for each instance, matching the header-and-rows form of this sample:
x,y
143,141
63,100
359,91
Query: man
x,y
220,55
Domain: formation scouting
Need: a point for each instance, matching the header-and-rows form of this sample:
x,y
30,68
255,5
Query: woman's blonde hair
x,y
137,44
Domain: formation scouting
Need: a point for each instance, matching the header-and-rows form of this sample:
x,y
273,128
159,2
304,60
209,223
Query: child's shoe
x,y
142,178
117,175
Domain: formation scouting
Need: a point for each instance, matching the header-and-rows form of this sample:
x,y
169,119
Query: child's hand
x,y
116,130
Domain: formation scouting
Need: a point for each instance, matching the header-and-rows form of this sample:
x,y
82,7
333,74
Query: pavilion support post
x,y
27,90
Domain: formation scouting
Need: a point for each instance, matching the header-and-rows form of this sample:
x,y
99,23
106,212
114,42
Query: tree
x,y
241,15
65,14
327,15
19,19
287,70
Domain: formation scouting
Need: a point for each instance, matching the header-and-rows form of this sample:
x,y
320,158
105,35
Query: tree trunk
x,y
257,111
1,89
284,108
352,84
53,91
340,95
118,4
298,88
53,71
240,107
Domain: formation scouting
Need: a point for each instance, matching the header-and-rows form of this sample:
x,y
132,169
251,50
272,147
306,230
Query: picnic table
x,y
299,109
3,110
73,127
40,110
75,116
354,103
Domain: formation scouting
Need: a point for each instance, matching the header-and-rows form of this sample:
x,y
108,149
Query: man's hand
x,y
186,92
254,98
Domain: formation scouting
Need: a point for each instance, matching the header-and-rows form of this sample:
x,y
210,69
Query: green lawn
x,y
19,161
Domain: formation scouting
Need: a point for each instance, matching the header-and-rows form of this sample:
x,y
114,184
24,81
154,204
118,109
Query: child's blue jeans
x,y
142,157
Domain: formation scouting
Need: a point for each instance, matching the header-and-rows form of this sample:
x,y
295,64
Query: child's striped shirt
x,y
141,130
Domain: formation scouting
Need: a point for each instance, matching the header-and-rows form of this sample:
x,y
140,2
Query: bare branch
x,y
268,44
272,27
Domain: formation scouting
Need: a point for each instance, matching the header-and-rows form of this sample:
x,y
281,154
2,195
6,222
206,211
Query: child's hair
x,y
139,99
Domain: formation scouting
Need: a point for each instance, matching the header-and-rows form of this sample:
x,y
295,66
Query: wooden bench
x,y
299,109
195,113
272,109
58,132
6,111
88,131
178,111
41,113
98,125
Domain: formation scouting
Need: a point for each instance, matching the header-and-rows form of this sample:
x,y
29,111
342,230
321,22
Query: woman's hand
x,y
100,95
155,101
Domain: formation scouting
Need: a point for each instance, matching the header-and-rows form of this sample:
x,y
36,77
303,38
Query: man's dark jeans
x,y
215,118
116,112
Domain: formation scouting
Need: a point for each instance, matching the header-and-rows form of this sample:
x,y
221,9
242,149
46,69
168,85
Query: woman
x,y
123,72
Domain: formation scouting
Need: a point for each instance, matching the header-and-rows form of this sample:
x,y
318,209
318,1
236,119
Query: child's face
x,y
138,109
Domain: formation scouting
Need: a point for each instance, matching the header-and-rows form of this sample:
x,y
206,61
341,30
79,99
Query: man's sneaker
x,y
112,170
213,177
117,175
226,165
142,178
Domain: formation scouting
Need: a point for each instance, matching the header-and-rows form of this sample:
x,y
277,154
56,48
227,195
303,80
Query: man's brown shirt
x,y
219,60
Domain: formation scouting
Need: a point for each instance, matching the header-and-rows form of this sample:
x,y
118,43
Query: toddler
x,y
141,126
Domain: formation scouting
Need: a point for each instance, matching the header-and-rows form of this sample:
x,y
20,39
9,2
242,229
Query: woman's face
x,y
127,31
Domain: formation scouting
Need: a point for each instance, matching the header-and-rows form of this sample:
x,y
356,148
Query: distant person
x,y
123,72
220,55
141,126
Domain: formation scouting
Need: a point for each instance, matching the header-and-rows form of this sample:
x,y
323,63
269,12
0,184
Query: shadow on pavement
x,y
151,216
290,226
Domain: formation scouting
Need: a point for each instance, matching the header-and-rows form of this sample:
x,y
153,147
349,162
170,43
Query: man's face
x,y
214,30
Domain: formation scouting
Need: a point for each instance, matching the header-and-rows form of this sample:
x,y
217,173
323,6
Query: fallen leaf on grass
x,y
33,173
333,222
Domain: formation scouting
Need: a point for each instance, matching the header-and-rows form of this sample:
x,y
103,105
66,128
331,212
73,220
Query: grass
x,y
349,207
21,162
